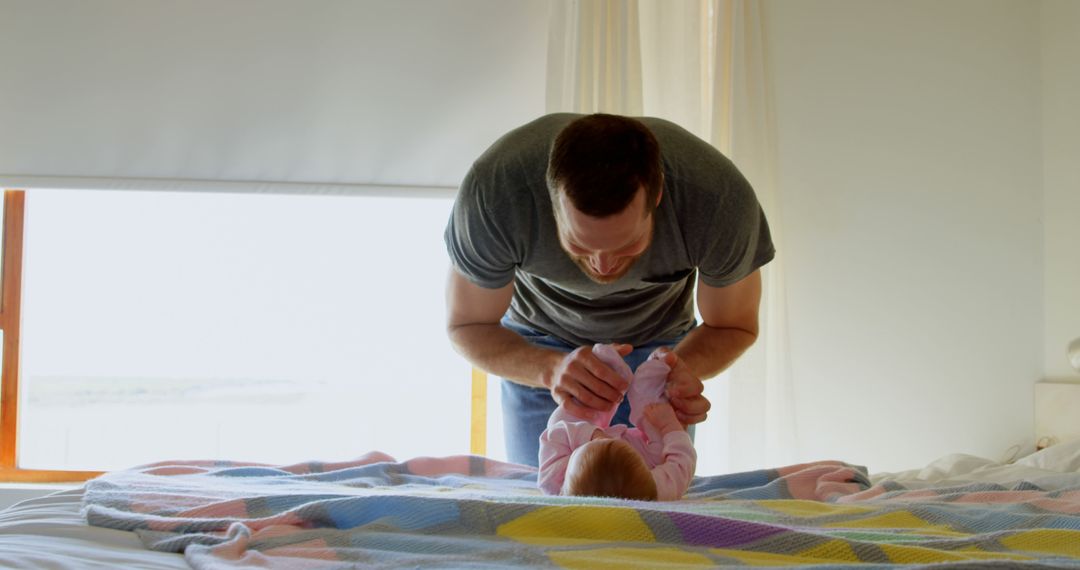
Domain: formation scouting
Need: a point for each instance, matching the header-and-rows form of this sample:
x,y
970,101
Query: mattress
x,y
50,533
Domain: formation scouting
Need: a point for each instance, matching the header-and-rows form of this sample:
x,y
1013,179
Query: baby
x,y
653,461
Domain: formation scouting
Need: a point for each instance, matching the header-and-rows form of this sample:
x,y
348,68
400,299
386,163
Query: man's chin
x,y
604,279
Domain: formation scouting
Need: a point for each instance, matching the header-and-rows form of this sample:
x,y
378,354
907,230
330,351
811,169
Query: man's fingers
x,y
691,410
584,376
691,406
690,420
594,396
567,396
682,389
573,406
682,384
590,399
669,357
613,385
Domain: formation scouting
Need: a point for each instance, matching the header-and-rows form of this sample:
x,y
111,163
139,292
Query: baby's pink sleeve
x,y
673,475
558,441
648,387
608,355
554,455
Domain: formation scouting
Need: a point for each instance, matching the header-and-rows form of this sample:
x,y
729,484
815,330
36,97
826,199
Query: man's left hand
x,y
684,389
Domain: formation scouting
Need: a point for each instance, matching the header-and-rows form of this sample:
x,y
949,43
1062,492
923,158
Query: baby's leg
x,y
650,381
614,360
648,387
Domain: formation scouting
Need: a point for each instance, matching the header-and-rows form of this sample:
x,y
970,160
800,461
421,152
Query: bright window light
x,y
233,326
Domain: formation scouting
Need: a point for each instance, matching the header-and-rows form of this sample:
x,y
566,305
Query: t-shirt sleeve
x,y
477,241
733,238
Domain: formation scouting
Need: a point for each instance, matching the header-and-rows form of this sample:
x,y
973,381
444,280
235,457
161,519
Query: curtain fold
x,y
594,57
701,64
763,429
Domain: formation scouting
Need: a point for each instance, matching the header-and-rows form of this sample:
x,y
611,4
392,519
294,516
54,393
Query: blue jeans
x,y
526,409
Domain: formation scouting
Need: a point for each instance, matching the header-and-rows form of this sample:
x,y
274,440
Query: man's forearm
x,y
504,353
708,351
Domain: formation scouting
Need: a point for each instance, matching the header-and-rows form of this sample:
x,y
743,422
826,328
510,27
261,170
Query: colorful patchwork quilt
x,y
473,512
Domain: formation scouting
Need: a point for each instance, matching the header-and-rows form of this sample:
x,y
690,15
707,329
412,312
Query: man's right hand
x,y
584,385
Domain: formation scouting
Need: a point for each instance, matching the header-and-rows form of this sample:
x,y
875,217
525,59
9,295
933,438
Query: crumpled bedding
x,y
467,511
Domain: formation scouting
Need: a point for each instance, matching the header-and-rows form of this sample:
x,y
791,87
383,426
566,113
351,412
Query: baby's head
x,y
607,467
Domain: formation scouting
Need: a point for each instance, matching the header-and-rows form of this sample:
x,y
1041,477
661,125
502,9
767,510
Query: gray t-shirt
x,y
502,229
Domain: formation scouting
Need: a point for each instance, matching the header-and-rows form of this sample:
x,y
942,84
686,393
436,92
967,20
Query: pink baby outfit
x,y
671,458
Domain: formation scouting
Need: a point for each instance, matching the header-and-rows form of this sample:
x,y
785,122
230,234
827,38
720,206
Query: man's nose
x,y
603,264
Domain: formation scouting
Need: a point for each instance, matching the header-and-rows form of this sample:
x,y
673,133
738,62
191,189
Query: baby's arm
x,y
555,449
673,476
662,416
680,459
650,382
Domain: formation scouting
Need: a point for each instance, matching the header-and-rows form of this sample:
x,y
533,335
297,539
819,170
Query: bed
x,y
472,512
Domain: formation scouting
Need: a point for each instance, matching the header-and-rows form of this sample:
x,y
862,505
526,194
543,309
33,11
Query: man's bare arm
x,y
729,327
578,379
472,323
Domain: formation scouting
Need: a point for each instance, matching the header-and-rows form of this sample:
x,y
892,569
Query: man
x,y
574,230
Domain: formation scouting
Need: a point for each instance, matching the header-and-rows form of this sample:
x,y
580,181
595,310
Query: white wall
x,y
1061,175
270,92
910,174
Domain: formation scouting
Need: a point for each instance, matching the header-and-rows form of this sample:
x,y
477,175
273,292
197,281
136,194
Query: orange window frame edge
x,y
10,305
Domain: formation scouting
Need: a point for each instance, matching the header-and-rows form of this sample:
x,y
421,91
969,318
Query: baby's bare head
x,y
609,468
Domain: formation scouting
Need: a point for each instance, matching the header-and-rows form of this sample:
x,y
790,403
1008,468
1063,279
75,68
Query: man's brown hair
x,y
610,468
600,161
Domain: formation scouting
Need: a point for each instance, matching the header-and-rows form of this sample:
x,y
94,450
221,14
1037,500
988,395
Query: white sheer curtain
x,y
701,64
594,57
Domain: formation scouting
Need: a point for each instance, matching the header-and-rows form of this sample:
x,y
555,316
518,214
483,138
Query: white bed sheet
x,y
48,533
1052,468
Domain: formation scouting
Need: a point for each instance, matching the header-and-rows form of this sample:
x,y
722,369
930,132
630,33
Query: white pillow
x,y
1061,457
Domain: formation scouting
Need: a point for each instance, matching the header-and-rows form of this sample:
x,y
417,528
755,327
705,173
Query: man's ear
x,y
557,205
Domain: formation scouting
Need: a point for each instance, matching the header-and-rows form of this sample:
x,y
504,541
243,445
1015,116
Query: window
x,y
252,327
265,328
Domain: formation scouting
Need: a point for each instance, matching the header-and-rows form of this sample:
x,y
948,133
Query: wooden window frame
x,y
10,314
10,311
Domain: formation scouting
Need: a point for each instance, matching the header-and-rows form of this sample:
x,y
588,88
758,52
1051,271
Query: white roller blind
x,y
265,95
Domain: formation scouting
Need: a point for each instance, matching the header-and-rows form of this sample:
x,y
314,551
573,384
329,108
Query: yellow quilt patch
x,y
897,519
907,554
833,551
555,525
811,508
752,558
644,558
1052,541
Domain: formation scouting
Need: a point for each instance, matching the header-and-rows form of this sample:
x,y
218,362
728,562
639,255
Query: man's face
x,y
604,248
